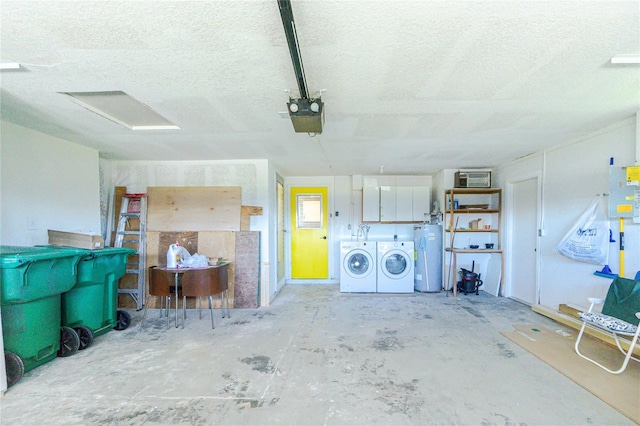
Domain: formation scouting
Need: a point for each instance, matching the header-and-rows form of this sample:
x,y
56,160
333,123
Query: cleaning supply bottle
x,y
173,256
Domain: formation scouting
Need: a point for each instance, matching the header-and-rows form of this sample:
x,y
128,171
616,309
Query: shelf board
x,y
478,250
474,230
464,211
473,190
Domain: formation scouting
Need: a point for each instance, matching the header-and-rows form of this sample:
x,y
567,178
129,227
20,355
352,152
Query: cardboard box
x,y
75,239
476,224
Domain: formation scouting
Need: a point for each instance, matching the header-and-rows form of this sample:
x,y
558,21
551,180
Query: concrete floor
x,y
314,357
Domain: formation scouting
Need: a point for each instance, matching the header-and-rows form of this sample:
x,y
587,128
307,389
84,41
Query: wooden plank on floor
x,y
575,323
569,310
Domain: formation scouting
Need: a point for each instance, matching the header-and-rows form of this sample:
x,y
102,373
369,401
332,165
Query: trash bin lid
x,y
93,253
110,251
16,256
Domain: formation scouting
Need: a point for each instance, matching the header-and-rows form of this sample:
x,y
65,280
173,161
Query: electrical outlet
x,y
31,224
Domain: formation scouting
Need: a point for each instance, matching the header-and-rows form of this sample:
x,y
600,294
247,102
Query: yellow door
x,y
309,232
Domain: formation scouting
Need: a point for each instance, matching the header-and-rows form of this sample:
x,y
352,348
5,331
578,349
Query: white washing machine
x,y
395,266
358,266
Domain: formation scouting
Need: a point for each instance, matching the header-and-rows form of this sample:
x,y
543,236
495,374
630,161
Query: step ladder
x,y
131,233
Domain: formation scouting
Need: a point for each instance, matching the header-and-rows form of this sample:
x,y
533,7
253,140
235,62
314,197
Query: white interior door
x,y
524,228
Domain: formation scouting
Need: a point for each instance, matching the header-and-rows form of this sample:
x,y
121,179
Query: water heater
x,y
429,251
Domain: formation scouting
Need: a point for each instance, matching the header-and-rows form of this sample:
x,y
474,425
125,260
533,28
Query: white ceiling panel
x,y
416,86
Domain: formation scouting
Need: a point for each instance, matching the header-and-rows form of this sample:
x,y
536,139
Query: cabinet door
x,y
421,206
370,204
388,211
404,204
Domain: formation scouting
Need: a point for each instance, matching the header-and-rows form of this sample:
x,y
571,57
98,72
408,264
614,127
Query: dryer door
x,y
396,264
358,264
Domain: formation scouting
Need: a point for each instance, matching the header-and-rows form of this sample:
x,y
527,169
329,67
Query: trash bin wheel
x,y
69,341
14,366
86,336
123,321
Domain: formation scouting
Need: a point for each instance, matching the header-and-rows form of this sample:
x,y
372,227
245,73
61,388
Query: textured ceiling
x,y
414,86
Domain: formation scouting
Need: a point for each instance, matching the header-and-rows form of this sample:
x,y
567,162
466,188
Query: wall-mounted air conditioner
x,y
479,179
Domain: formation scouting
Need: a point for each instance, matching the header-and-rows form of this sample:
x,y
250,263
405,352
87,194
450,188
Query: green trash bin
x,y
90,308
32,280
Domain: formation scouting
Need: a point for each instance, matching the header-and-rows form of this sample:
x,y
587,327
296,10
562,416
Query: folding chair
x,y
620,317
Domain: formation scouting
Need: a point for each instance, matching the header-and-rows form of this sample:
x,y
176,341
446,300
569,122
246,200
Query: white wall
x,y
572,175
255,177
345,199
46,183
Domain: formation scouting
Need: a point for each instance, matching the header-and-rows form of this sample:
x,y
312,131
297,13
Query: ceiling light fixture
x,y
9,66
625,59
122,109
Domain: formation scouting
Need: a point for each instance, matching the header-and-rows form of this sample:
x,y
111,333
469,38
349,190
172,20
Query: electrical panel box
x,y
624,192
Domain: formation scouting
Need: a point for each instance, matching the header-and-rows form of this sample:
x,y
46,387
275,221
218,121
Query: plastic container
x,y
173,255
31,282
90,308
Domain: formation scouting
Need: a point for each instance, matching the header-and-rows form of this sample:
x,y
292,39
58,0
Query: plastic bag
x,y
195,261
588,240
179,257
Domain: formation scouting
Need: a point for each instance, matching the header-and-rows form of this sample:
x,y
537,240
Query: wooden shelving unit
x,y
467,205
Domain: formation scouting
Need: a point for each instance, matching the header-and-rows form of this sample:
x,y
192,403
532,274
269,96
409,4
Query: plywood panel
x,y
220,244
212,244
118,192
153,248
194,208
247,269
216,244
245,217
555,347
188,240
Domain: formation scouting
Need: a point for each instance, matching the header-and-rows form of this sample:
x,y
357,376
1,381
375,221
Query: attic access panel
x,y
122,109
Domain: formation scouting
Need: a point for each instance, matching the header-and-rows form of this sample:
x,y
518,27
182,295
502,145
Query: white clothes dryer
x,y
395,267
358,267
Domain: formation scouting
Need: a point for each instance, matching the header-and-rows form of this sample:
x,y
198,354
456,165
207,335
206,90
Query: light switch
x,y
31,224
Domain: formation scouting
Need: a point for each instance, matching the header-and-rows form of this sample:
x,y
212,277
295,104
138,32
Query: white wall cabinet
x,y
371,204
421,203
395,203
388,207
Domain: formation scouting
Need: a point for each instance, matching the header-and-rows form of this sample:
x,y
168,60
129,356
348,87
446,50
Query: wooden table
x,y
218,273
455,252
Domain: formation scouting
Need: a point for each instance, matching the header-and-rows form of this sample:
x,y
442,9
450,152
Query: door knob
x,y
324,238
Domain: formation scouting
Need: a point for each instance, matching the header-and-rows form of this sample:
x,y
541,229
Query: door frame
x,y
509,224
281,222
313,181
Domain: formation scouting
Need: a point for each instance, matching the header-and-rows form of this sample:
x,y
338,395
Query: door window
x,y
309,211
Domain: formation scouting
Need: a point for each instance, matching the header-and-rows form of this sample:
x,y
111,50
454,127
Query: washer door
x,y
358,264
396,264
